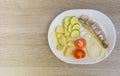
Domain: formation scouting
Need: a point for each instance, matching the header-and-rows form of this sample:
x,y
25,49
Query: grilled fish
x,y
95,29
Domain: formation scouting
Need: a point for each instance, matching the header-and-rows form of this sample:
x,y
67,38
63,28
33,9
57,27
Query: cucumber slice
x,y
66,22
70,28
75,33
65,26
74,20
76,26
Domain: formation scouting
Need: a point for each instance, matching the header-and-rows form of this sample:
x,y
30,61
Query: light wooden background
x,y
24,50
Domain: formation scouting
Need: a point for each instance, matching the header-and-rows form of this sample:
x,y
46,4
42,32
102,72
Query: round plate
x,y
99,17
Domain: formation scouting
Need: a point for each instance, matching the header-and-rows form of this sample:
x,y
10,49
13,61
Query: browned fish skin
x,y
88,22
94,26
101,37
84,17
97,30
105,43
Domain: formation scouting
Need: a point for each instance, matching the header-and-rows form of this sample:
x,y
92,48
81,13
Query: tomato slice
x,y
79,53
80,43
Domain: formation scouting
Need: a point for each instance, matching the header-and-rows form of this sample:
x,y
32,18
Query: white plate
x,y
99,17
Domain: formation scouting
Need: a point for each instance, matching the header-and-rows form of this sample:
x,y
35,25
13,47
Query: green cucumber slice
x,y
76,26
70,28
65,26
75,33
73,20
66,22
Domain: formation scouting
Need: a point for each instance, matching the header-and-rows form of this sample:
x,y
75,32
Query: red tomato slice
x,y
79,53
80,43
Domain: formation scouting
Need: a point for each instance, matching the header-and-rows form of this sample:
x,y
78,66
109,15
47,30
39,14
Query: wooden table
x,y
24,49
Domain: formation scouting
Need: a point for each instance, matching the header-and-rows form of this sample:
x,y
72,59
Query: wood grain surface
x,y
24,49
